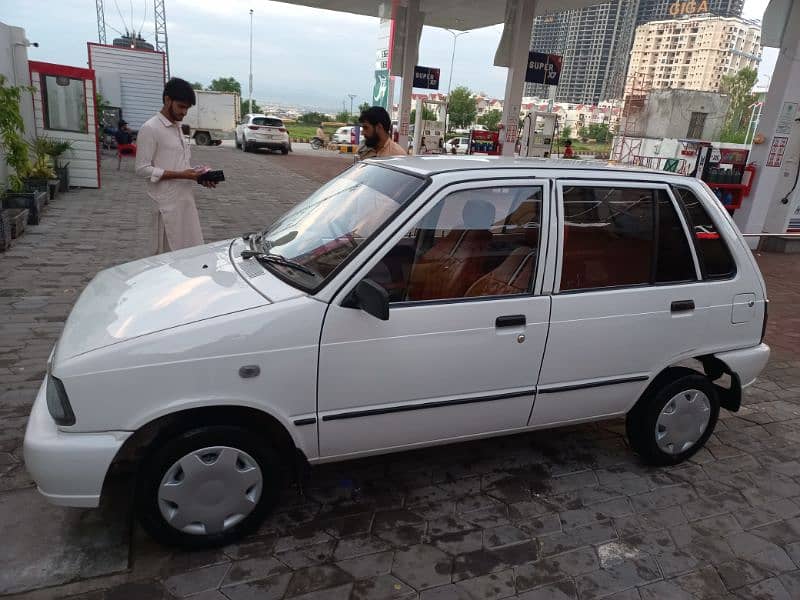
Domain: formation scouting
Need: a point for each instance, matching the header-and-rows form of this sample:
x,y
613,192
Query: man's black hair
x,y
377,115
179,90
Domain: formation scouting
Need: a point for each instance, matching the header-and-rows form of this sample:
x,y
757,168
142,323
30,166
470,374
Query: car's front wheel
x,y
674,417
207,487
236,141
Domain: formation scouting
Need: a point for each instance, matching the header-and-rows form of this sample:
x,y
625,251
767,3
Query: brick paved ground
x,y
560,514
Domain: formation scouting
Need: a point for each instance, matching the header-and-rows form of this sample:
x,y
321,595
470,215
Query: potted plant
x,y
16,154
41,176
57,149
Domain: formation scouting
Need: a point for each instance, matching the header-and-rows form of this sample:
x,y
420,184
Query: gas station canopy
x,y
451,14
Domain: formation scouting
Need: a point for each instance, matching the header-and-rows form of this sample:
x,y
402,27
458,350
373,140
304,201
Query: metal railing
x,y
778,235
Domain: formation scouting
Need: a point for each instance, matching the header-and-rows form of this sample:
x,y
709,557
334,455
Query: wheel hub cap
x,y
683,421
210,490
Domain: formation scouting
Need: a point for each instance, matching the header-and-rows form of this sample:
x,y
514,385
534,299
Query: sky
x,y
308,57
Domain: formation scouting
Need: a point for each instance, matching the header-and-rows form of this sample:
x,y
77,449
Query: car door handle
x,y
510,321
682,306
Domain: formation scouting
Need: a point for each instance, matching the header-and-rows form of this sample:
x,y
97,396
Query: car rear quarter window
x,y
716,261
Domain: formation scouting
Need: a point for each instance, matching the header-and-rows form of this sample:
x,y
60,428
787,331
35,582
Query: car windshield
x,y
267,121
321,232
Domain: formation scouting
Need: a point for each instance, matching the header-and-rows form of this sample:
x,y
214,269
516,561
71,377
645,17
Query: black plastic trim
x,y
583,386
308,421
425,405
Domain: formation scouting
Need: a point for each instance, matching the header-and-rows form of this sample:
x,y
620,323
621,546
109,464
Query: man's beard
x,y
371,141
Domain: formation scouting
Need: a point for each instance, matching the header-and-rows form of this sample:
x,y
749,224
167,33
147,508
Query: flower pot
x,y
33,201
18,217
5,231
52,186
37,184
63,178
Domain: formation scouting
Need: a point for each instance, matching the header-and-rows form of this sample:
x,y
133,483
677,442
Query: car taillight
x,y
764,325
282,130
252,127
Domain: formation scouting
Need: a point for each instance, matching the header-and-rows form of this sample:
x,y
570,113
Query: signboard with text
x,y
426,78
543,68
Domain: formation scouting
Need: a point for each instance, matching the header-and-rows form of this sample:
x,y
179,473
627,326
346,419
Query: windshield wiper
x,y
278,260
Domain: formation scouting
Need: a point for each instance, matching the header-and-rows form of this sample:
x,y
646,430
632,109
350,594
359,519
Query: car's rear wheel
x,y
285,150
245,145
207,486
236,141
674,418
202,139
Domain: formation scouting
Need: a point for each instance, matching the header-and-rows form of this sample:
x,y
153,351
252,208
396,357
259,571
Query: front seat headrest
x,y
478,214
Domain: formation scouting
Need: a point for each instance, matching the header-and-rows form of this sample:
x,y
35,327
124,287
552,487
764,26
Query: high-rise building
x,y
659,10
691,53
594,43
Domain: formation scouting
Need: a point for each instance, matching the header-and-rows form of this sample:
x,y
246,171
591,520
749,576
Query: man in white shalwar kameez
x,y
162,156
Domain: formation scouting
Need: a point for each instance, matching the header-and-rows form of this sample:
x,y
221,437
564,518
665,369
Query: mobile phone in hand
x,y
212,176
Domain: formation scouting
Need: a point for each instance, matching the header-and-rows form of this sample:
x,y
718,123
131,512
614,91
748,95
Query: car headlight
x,y
58,402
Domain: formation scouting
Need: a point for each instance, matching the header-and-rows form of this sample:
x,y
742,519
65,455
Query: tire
x,y
245,145
164,465
201,138
285,150
652,424
236,141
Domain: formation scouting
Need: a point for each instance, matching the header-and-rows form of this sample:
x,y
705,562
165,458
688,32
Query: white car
x,y
407,303
344,135
262,131
457,145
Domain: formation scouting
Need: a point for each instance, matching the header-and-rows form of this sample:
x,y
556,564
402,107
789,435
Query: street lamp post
x,y
455,35
250,87
352,97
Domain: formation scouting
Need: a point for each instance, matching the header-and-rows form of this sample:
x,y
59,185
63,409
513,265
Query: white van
x,y
409,302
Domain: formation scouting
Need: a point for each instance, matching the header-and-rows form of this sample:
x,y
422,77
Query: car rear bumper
x,y
746,363
68,468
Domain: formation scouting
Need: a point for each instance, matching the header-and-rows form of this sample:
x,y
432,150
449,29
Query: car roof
x,y
432,165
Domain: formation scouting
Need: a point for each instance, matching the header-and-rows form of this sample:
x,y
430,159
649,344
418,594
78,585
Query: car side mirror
x,y
370,297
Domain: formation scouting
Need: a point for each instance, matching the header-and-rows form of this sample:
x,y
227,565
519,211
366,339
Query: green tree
x,y
364,106
491,120
427,114
313,118
462,107
244,107
738,86
595,131
197,85
225,84
344,117
566,132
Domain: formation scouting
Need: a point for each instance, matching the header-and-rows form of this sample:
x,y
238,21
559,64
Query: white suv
x,y
262,131
409,302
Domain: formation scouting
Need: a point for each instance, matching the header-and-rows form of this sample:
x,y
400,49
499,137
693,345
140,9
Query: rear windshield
x,y
267,121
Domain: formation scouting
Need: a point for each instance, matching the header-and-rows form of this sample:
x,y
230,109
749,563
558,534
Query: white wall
x,y
141,79
14,67
83,156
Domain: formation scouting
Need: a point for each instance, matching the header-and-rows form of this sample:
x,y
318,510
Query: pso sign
x,y
689,7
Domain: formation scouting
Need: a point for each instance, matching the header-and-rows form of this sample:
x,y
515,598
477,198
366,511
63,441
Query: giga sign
x,y
689,7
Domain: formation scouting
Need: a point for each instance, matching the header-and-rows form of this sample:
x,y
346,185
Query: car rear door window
x,y
622,236
715,258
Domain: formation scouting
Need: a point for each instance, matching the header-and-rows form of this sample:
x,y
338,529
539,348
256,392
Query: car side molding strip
x,y
582,386
425,405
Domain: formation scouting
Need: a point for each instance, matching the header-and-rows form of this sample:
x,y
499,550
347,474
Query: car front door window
x,y
473,243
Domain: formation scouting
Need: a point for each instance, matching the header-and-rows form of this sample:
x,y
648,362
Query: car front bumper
x,y
68,468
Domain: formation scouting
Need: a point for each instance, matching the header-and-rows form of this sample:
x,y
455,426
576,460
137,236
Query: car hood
x,y
154,294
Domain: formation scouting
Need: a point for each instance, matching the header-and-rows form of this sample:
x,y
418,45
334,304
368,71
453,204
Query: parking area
x,y
568,513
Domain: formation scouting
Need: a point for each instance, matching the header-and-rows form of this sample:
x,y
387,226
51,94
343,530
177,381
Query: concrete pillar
x,y
770,205
518,27
418,126
411,35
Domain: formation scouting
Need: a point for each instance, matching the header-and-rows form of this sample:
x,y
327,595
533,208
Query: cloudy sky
x,y
304,56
